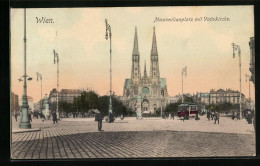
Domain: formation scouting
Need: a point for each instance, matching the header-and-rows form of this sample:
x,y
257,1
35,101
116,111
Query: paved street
x,y
130,138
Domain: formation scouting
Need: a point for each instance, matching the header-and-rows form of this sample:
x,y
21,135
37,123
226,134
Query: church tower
x,y
154,65
135,72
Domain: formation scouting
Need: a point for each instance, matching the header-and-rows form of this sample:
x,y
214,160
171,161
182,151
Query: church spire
x,y
135,50
154,44
145,72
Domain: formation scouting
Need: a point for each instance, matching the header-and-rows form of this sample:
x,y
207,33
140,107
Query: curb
x,y
25,130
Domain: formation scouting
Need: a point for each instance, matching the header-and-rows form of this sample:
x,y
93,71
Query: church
x,y
151,89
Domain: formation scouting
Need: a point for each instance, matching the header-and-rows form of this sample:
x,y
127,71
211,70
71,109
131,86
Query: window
x,y
238,100
234,100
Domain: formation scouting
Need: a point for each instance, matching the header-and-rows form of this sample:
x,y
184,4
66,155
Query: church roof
x,y
163,82
127,83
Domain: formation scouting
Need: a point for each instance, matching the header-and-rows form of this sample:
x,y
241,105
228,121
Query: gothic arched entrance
x,y
145,105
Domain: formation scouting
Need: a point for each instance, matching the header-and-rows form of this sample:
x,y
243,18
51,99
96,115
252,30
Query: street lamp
x,y
248,76
108,28
184,71
56,58
39,76
25,122
237,48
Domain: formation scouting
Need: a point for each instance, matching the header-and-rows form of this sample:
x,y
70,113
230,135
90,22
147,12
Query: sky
x,y
78,36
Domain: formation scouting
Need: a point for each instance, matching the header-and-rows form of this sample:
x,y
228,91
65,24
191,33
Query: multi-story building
x,y
66,95
14,103
252,59
222,96
152,89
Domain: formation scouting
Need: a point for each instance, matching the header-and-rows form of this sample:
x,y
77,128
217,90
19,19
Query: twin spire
x,y
153,50
154,44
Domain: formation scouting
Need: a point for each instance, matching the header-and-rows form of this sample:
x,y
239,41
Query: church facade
x,y
150,88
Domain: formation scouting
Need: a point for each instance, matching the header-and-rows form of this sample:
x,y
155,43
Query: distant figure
x,y
249,118
30,116
212,115
238,116
99,118
54,117
216,117
182,118
122,116
111,118
208,115
15,116
172,116
233,115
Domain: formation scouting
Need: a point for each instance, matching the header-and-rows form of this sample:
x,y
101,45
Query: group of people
x,y
167,115
235,115
213,116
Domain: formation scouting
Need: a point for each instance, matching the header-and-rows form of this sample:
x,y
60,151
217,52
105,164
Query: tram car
x,y
187,110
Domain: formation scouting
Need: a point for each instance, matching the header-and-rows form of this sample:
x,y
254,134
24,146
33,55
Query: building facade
x,y
252,59
14,103
151,88
66,95
229,96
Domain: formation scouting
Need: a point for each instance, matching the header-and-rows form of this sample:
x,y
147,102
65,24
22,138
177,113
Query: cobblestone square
x,y
131,138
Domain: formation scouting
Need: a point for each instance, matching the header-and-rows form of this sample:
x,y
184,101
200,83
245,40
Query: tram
x,y
187,110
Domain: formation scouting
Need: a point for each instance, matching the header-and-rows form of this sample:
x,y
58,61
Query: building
x,y
229,96
203,98
252,59
30,103
14,103
174,99
66,95
151,88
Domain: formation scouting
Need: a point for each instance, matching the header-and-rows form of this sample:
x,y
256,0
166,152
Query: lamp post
x,y
248,76
184,71
108,28
237,48
39,76
25,122
56,58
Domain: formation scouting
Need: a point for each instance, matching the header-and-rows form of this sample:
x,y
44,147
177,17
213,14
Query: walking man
x,y
15,116
216,117
99,118
54,117
208,115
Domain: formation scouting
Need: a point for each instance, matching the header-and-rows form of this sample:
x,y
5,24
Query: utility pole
x,y
248,76
39,76
237,48
25,122
108,28
184,71
56,58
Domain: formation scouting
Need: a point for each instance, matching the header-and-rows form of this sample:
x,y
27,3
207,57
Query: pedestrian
x,y
212,115
216,117
172,116
238,116
30,116
54,117
182,118
208,115
122,116
249,118
15,116
233,115
99,118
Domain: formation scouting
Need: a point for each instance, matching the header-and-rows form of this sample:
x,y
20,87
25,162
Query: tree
x,y
172,108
